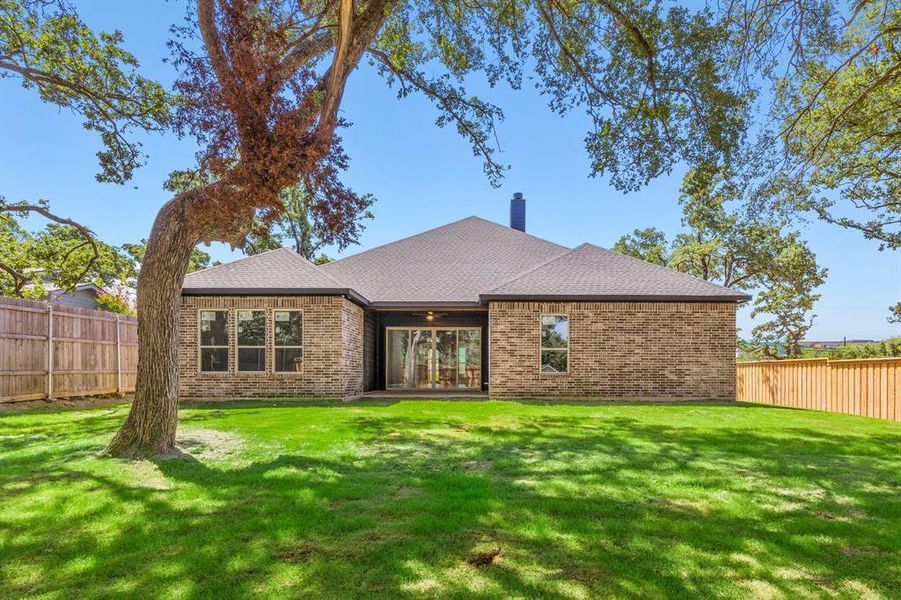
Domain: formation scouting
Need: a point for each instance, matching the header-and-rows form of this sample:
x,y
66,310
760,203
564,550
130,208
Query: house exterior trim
x,y
486,298
345,292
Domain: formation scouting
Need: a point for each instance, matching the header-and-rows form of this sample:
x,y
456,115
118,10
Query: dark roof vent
x,y
518,212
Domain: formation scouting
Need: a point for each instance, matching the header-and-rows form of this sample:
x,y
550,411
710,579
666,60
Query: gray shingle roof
x,y
591,272
279,271
450,264
462,263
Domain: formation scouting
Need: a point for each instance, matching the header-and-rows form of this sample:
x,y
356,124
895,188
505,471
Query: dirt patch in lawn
x,y
206,445
300,552
477,465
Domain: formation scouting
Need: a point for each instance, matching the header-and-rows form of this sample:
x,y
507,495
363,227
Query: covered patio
x,y
429,350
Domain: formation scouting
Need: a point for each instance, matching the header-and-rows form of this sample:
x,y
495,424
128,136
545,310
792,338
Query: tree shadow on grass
x,y
408,504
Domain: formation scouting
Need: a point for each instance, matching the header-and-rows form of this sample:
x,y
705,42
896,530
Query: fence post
x,y
118,361
49,351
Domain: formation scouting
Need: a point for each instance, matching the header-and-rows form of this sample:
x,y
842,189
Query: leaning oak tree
x,y
263,98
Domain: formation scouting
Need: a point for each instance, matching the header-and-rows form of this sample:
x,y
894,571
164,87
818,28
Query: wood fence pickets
x,y
87,349
865,387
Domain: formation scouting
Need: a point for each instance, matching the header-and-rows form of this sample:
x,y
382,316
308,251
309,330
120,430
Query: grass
x,y
455,499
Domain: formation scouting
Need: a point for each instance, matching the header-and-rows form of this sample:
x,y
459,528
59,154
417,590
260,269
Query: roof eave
x,y
486,298
426,305
260,291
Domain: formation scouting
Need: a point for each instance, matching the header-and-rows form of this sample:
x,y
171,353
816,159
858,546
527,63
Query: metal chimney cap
x,y
517,195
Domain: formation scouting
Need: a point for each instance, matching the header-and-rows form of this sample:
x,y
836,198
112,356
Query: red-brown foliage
x,y
263,108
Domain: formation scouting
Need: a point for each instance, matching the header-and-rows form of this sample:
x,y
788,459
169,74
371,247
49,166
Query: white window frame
x,y
303,337
542,349
200,345
238,344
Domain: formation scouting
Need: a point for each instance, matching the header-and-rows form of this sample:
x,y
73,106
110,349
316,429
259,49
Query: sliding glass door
x,y
448,358
469,358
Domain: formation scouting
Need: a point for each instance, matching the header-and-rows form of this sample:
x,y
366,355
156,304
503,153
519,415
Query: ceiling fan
x,y
430,315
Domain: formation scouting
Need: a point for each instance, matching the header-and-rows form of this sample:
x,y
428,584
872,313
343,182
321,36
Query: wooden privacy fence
x,y
55,351
868,387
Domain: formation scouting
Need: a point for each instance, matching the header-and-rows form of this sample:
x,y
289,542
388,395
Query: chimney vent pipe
x,y
518,212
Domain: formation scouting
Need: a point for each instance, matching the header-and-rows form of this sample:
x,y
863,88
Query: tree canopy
x,y
45,45
59,255
308,230
837,114
723,245
49,48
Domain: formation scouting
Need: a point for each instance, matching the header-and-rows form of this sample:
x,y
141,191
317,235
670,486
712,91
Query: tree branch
x,y
23,208
206,21
334,89
492,167
360,31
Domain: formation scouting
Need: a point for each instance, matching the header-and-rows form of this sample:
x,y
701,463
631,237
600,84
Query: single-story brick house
x,y
470,306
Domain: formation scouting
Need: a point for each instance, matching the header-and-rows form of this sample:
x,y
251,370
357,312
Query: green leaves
x,y
656,84
310,222
838,123
57,256
741,251
49,48
647,244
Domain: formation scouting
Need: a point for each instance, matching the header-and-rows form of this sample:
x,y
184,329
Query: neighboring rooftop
x,y
460,264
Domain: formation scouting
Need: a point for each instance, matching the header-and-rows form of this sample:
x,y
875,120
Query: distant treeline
x,y
886,348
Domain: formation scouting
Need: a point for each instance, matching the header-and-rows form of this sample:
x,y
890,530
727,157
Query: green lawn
x,y
455,499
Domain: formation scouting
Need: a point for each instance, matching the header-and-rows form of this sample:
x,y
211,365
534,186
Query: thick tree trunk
x,y
150,426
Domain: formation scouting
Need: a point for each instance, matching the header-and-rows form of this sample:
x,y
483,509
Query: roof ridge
x,y
242,259
403,239
322,271
433,229
535,268
526,233
615,256
294,255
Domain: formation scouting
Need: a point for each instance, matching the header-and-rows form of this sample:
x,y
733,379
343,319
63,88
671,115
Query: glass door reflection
x,y
449,358
446,350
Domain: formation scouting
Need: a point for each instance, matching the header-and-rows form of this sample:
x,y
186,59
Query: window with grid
x,y
251,326
554,344
213,341
288,340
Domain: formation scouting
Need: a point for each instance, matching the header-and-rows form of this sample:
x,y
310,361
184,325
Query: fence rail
x,y
868,387
55,351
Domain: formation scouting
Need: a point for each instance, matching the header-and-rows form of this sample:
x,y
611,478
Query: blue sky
x,y
423,176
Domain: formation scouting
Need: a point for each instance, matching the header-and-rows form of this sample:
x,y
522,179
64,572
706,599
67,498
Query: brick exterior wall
x,y
617,350
352,325
332,350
